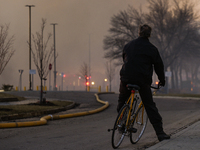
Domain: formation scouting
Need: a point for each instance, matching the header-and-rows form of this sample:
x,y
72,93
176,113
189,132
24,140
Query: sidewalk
x,y
187,139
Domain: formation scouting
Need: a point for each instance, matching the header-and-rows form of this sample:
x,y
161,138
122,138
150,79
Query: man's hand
x,y
162,83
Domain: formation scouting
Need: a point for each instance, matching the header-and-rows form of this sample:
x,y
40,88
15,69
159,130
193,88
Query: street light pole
x,y
89,62
30,86
55,89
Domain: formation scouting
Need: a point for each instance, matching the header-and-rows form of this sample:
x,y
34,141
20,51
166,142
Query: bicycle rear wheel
x,y
119,129
139,123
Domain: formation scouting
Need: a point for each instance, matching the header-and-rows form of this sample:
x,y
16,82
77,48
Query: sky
x,y
80,22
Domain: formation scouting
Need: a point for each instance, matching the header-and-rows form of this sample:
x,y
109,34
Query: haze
x,y
77,19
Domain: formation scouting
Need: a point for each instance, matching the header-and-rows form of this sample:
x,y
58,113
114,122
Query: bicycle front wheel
x,y
139,123
119,129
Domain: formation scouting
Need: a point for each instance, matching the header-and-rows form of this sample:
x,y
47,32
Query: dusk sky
x,y
77,19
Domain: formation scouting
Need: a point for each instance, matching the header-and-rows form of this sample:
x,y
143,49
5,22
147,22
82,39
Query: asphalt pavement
x,y
186,139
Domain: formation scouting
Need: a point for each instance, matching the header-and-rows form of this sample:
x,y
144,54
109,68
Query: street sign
x,y
50,66
32,71
21,71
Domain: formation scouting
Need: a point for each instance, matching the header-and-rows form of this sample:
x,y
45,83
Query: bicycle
x,y
131,120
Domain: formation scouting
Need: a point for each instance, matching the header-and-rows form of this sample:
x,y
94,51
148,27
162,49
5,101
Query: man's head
x,y
145,31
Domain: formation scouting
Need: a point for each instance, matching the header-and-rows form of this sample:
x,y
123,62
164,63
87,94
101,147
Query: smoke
x,y
77,19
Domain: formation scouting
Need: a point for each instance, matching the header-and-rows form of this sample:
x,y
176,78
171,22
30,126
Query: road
x,y
90,132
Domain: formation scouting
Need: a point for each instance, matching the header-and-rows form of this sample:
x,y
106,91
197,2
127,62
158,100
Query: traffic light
x,y
87,83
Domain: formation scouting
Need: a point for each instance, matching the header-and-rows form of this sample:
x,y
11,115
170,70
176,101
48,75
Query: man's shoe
x,y
163,136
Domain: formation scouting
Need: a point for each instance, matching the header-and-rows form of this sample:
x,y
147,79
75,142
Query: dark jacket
x,y
140,57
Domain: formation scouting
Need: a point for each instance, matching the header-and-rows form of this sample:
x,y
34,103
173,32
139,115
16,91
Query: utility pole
x,y
30,85
89,63
55,72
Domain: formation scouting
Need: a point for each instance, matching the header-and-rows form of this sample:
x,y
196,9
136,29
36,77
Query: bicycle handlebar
x,y
158,87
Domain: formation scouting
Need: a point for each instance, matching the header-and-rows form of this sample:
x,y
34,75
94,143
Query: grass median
x,y
36,109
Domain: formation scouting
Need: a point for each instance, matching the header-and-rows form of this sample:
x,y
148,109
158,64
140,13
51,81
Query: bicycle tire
x,y
119,129
139,125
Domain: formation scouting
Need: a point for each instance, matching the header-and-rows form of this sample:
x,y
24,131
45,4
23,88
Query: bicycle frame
x,y
131,120
131,98
131,101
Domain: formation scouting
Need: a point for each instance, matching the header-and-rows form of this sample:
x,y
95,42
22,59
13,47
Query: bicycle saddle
x,y
132,86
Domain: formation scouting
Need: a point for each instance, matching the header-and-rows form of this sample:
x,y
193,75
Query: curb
x,y
35,114
44,119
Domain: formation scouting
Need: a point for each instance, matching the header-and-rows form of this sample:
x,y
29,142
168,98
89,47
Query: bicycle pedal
x,y
110,130
132,130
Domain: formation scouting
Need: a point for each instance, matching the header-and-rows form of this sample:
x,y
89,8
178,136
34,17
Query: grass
x,y
28,108
20,109
180,95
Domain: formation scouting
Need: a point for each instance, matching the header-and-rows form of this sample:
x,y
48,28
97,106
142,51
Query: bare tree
x,y
110,72
84,73
124,27
42,54
175,33
6,50
173,28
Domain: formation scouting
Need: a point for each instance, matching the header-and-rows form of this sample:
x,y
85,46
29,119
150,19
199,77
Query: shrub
x,y
7,87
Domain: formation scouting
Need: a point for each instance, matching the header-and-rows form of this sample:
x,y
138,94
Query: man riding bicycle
x,y
140,57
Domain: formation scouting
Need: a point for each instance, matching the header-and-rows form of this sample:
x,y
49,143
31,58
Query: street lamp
x,y
55,89
30,86
89,61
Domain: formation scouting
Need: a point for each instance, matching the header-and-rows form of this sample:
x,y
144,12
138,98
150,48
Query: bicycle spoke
x,y
119,130
139,124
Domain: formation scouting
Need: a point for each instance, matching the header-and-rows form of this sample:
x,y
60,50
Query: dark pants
x,y
147,99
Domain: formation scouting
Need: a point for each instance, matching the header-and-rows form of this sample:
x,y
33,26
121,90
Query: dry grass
x,y
180,95
19,109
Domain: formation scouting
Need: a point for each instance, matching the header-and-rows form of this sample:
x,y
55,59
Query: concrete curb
x,y
44,119
177,140
36,114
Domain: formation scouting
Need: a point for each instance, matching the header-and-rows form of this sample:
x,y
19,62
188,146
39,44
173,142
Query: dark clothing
x,y
150,106
140,57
